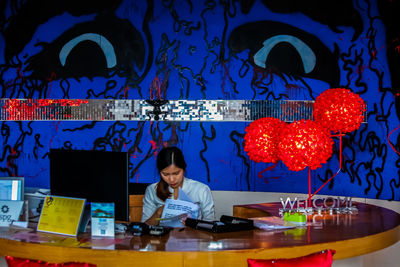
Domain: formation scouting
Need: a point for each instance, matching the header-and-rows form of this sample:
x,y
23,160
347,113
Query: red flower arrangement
x,y
261,139
308,143
339,110
304,144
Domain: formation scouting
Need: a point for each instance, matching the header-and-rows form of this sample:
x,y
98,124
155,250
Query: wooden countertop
x,y
373,228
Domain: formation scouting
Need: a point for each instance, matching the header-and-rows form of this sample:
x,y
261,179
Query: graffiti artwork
x,y
157,73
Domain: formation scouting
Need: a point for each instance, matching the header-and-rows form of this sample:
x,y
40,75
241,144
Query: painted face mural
x,y
163,51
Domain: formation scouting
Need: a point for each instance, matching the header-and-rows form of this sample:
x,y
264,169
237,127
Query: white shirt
x,y
197,191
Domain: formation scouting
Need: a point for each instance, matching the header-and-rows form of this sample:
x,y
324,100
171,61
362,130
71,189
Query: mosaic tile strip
x,y
153,110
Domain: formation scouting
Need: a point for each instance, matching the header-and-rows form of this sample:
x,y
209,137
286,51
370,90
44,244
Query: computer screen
x,y
11,188
97,176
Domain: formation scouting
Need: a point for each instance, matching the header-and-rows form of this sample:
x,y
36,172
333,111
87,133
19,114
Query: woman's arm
x,y
156,215
207,205
152,208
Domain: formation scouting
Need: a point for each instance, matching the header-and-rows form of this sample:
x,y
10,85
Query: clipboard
x,y
61,215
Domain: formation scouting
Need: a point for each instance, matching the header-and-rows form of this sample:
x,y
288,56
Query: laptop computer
x,y
9,211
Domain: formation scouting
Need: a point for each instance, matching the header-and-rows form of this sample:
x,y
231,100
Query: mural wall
x,y
71,52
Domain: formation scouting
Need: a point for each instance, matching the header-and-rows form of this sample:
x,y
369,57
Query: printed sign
x,y
61,215
9,211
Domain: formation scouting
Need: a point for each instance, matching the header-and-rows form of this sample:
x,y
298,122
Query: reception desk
x,y
372,229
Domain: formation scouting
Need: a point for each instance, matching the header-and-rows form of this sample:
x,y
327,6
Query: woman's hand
x,y
159,211
183,219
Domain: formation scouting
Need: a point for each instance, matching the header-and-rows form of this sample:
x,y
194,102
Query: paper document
x,y
177,217
175,210
183,196
271,223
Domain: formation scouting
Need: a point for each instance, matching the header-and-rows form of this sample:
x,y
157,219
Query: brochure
x,y
103,219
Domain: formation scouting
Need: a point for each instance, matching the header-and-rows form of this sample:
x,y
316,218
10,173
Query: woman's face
x,y
173,176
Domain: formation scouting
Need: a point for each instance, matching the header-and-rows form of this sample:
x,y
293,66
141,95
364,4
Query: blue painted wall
x,y
202,50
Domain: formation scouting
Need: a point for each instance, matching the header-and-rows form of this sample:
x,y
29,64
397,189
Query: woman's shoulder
x,y
154,185
194,183
151,187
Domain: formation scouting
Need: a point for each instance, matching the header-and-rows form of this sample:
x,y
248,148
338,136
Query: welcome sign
x,y
334,204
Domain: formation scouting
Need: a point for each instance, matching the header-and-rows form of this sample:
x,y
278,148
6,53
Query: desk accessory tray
x,y
138,229
225,224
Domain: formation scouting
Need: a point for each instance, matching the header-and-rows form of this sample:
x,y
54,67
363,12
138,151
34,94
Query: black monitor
x,y
97,176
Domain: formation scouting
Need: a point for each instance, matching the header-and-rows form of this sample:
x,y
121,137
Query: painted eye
x,y
307,56
283,49
100,40
96,48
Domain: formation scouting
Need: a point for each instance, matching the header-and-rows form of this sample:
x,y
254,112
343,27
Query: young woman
x,y
171,166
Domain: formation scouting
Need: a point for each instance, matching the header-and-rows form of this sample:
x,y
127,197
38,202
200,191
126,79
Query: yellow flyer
x,y
61,215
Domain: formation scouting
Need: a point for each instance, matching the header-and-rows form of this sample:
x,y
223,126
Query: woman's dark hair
x,y
166,157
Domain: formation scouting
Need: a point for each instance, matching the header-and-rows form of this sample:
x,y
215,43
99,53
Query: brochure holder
x,y
85,219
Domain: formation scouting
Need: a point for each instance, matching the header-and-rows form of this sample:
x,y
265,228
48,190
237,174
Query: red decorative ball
x,y
339,110
261,139
304,144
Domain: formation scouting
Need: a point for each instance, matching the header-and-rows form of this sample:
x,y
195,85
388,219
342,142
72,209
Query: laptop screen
x,y
11,188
